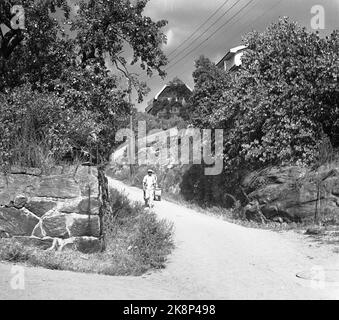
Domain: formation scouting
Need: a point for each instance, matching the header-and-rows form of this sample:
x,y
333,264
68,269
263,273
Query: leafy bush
x,y
148,239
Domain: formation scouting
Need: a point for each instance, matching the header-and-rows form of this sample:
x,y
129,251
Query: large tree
x,y
72,62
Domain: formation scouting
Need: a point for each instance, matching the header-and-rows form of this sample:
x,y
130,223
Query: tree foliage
x,y
62,64
276,108
172,98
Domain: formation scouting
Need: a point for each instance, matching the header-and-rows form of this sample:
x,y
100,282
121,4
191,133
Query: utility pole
x,y
130,124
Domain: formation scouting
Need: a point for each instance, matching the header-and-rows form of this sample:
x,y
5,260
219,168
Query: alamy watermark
x,y
322,278
17,281
318,17
18,20
172,147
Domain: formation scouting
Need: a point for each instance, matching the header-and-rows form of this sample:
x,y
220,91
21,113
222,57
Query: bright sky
x,y
185,16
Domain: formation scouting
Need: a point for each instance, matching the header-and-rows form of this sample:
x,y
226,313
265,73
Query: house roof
x,y
168,85
231,53
149,107
150,103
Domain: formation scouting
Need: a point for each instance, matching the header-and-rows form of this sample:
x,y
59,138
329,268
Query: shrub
x,y
149,239
13,251
152,240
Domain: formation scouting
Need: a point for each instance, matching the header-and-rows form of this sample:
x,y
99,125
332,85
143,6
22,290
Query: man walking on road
x,y
149,184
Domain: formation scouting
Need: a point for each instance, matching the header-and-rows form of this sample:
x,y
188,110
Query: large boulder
x,y
292,192
272,176
17,222
54,225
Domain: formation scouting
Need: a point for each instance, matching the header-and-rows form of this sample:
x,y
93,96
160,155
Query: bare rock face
x,y
83,244
292,192
17,222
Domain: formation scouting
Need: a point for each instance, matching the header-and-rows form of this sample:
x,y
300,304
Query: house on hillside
x,y
171,100
232,60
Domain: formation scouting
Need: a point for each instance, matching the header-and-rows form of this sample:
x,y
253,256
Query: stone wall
x,y
59,210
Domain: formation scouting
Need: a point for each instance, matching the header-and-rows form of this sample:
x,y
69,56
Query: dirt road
x,y
213,259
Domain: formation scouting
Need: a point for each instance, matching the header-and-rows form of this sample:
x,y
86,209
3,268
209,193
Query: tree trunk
x,y
105,208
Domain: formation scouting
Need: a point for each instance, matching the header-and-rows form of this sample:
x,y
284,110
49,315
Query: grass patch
x,y
137,241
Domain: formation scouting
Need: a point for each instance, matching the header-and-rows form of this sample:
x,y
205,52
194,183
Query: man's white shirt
x,y
149,182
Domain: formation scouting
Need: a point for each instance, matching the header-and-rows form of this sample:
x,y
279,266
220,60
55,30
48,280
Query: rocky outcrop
x,y
38,209
294,193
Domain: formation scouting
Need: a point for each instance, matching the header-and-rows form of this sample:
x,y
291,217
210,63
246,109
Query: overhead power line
x,y
211,36
199,27
209,28
253,20
274,6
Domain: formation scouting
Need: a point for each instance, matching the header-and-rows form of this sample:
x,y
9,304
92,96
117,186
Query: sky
x,y
238,18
